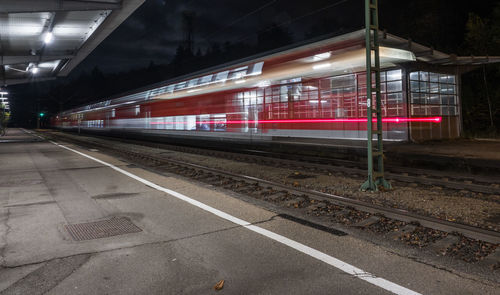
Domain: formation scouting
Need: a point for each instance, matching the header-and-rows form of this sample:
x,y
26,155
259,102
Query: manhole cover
x,y
101,229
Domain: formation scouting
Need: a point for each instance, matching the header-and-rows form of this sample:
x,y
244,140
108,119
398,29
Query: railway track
x,y
444,179
328,210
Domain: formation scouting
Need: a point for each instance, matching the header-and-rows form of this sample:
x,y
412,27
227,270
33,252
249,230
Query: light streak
x,y
294,121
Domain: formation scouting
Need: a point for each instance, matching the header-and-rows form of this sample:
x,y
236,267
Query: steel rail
x,y
426,177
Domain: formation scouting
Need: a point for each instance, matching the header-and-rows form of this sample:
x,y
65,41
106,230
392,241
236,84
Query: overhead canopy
x,y
434,57
44,39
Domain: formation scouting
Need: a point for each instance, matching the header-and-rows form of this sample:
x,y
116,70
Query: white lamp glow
x,y
48,37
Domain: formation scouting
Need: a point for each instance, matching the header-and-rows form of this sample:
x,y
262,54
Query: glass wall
x,y
433,94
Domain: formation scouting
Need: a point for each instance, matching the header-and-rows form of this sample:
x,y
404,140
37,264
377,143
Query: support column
x,y
375,177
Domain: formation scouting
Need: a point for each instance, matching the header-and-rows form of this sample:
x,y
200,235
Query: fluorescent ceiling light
x,y
4,92
69,31
240,81
48,37
49,64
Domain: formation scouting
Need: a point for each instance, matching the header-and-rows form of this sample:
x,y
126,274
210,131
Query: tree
x,y
481,39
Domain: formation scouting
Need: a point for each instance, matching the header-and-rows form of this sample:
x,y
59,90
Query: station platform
x,y
77,221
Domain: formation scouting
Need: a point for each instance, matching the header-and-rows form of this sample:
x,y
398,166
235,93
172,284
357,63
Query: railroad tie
x,y
276,196
406,229
491,260
244,189
367,222
442,245
293,202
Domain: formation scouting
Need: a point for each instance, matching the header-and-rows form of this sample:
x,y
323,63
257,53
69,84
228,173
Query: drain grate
x,y
101,229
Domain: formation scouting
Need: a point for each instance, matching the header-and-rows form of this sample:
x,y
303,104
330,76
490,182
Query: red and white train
x,y
314,91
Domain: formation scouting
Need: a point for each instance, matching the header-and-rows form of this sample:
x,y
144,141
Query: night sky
x,y
155,30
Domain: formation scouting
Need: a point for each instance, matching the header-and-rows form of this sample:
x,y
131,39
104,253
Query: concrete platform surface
x,y
182,248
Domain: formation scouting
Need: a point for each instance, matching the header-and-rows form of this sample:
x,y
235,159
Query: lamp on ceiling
x,y
48,37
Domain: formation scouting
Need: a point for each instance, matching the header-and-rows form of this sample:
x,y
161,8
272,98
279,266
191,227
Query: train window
x,y
415,86
284,93
394,86
414,76
192,82
297,92
137,110
190,122
157,91
343,81
276,94
169,123
417,98
424,86
260,96
448,100
170,88
221,77
447,88
447,79
179,122
113,113
395,98
180,86
206,79
394,75
237,73
434,87
203,123
383,76
219,122
434,99
434,77
255,69
424,76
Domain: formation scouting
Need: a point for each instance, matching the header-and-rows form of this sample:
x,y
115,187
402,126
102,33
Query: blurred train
x,y
311,92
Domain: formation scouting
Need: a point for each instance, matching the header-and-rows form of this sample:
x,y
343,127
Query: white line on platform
x,y
350,269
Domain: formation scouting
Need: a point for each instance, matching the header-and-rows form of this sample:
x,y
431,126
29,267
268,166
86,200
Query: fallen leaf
x,y
219,285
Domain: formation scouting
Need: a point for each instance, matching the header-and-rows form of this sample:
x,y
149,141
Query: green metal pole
x,y
375,178
369,184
